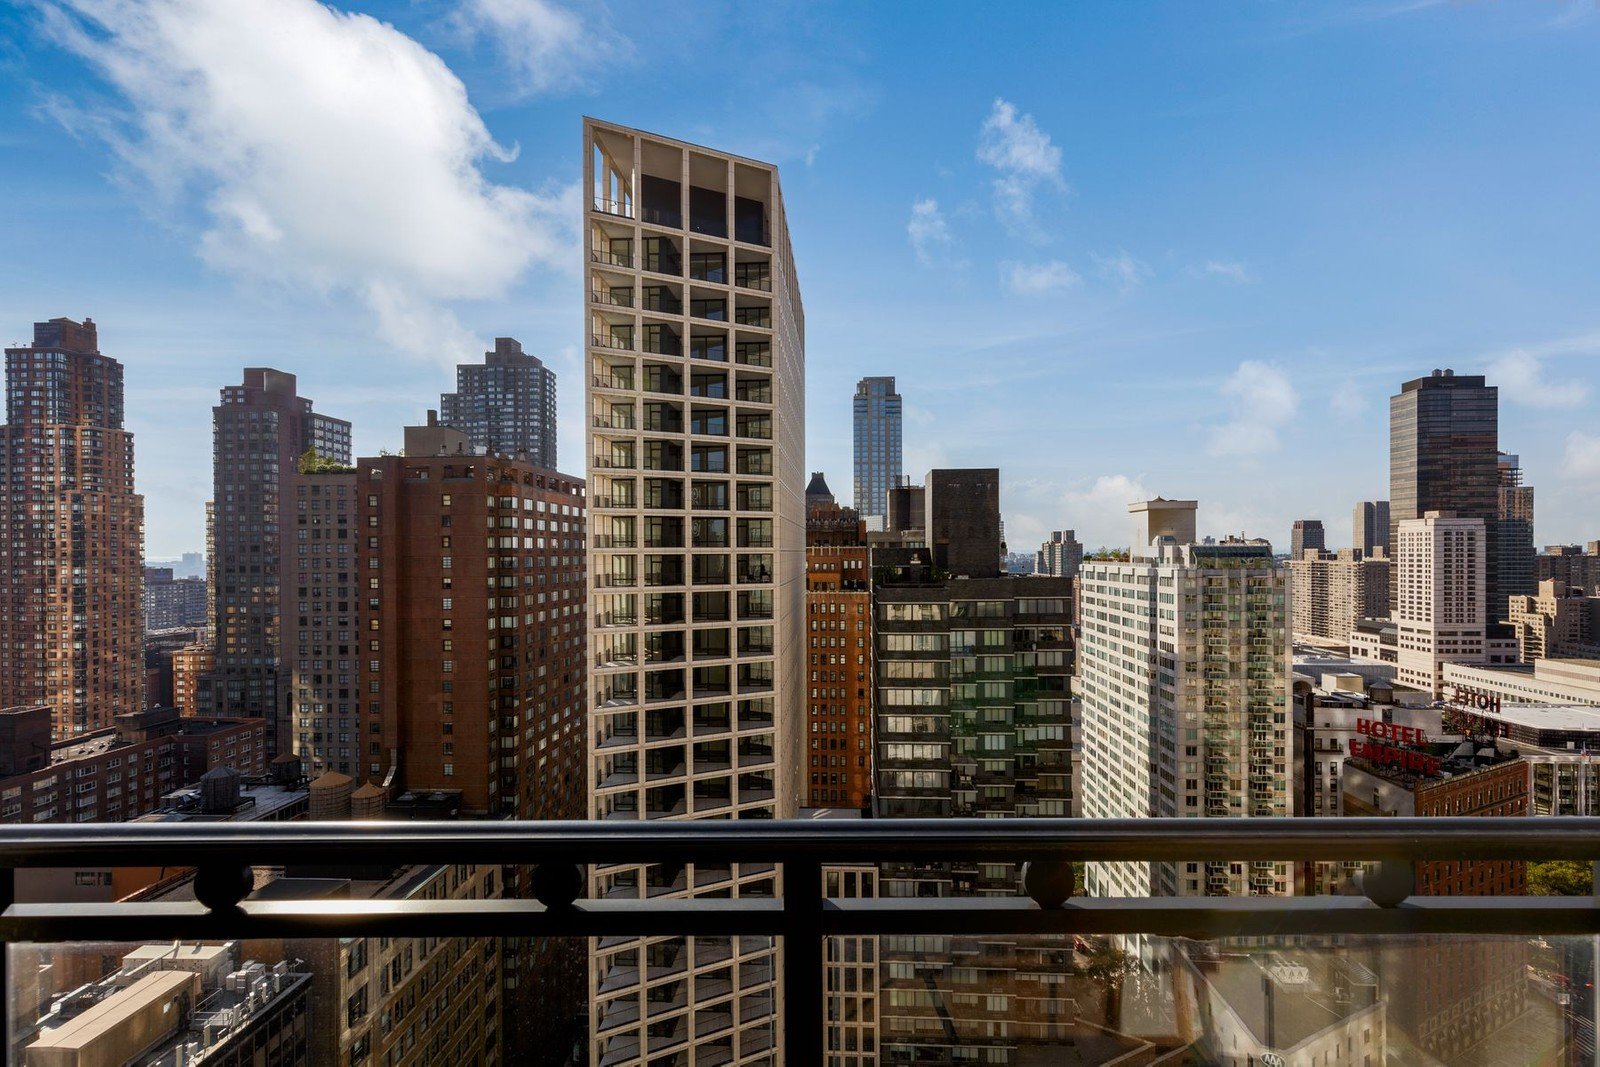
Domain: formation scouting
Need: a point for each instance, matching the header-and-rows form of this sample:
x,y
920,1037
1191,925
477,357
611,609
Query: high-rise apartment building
x,y
1572,566
1059,557
71,554
171,602
1369,528
695,412
1444,457
473,655
1514,537
471,647
189,664
260,431
325,657
974,720
1307,533
1556,622
876,411
1441,562
1183,681
506,404
1329,591
838,654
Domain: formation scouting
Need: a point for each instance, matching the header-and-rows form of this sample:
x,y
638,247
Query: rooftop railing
x,y
223,855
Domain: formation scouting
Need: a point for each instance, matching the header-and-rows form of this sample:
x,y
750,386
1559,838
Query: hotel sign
x,y
1475,698
1382,747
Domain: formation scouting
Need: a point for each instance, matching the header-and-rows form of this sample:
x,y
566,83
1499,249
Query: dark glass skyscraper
x,y
506,404
1515,534
1306,533
1444,456
877,445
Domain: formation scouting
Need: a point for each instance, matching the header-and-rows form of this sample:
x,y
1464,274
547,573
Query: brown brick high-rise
x,y
838,653
473,626
259,432
70,559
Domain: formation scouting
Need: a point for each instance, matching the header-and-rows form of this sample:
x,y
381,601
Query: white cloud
x,y
548,47
1014,145
1098,510
1261,399
1122,268
327,152
1580,461
1030,279
1348,398
1229,270
1521,378
929,234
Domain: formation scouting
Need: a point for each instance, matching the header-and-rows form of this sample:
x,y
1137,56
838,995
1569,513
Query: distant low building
x,y
1545,681
120,773
179,1003
171,602
1556,621
1060,556
1572,566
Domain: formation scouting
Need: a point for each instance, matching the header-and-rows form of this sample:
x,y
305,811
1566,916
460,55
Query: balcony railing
x,y
223,856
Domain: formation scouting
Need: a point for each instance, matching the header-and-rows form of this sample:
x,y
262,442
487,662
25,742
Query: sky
x,y
1114,250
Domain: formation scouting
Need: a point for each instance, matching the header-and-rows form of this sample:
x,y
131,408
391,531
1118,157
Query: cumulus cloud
x,y
930,236
1520,374
326,151
1030,279
1261,400
1580,460
548,47
1122,268
1348,398
1098,510
1014,145
1228,270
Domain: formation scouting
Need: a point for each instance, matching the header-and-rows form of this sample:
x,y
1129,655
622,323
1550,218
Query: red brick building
x,y
1458,990
1477,785
71,615
473,620
116,774
838,653
189,663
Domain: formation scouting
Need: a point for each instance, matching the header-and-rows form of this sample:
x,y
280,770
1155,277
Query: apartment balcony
x,y
1398,924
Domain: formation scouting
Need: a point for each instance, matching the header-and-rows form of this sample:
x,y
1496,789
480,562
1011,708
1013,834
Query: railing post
x,y
802,962
8,897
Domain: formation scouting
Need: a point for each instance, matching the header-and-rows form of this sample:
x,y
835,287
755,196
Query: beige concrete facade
x,y
695,405
1187,645
1329,591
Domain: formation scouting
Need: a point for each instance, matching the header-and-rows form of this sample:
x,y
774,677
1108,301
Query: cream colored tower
x,y
1183,678
695,405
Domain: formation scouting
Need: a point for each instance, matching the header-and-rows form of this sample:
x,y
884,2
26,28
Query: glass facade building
x,y
877,445
1443,456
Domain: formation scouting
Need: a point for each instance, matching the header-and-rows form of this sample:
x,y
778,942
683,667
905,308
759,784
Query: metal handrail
x,y
223,853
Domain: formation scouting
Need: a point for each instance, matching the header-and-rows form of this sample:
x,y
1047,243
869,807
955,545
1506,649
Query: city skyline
x,y
1128,274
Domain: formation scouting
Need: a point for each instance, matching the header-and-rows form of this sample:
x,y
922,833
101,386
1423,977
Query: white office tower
x,y
1440,614
1183,675
695,404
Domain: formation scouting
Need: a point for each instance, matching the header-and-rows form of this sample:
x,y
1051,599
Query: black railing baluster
x,y
8,896
802,961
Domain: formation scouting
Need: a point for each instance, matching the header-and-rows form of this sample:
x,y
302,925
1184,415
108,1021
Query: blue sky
x,y
1115,250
